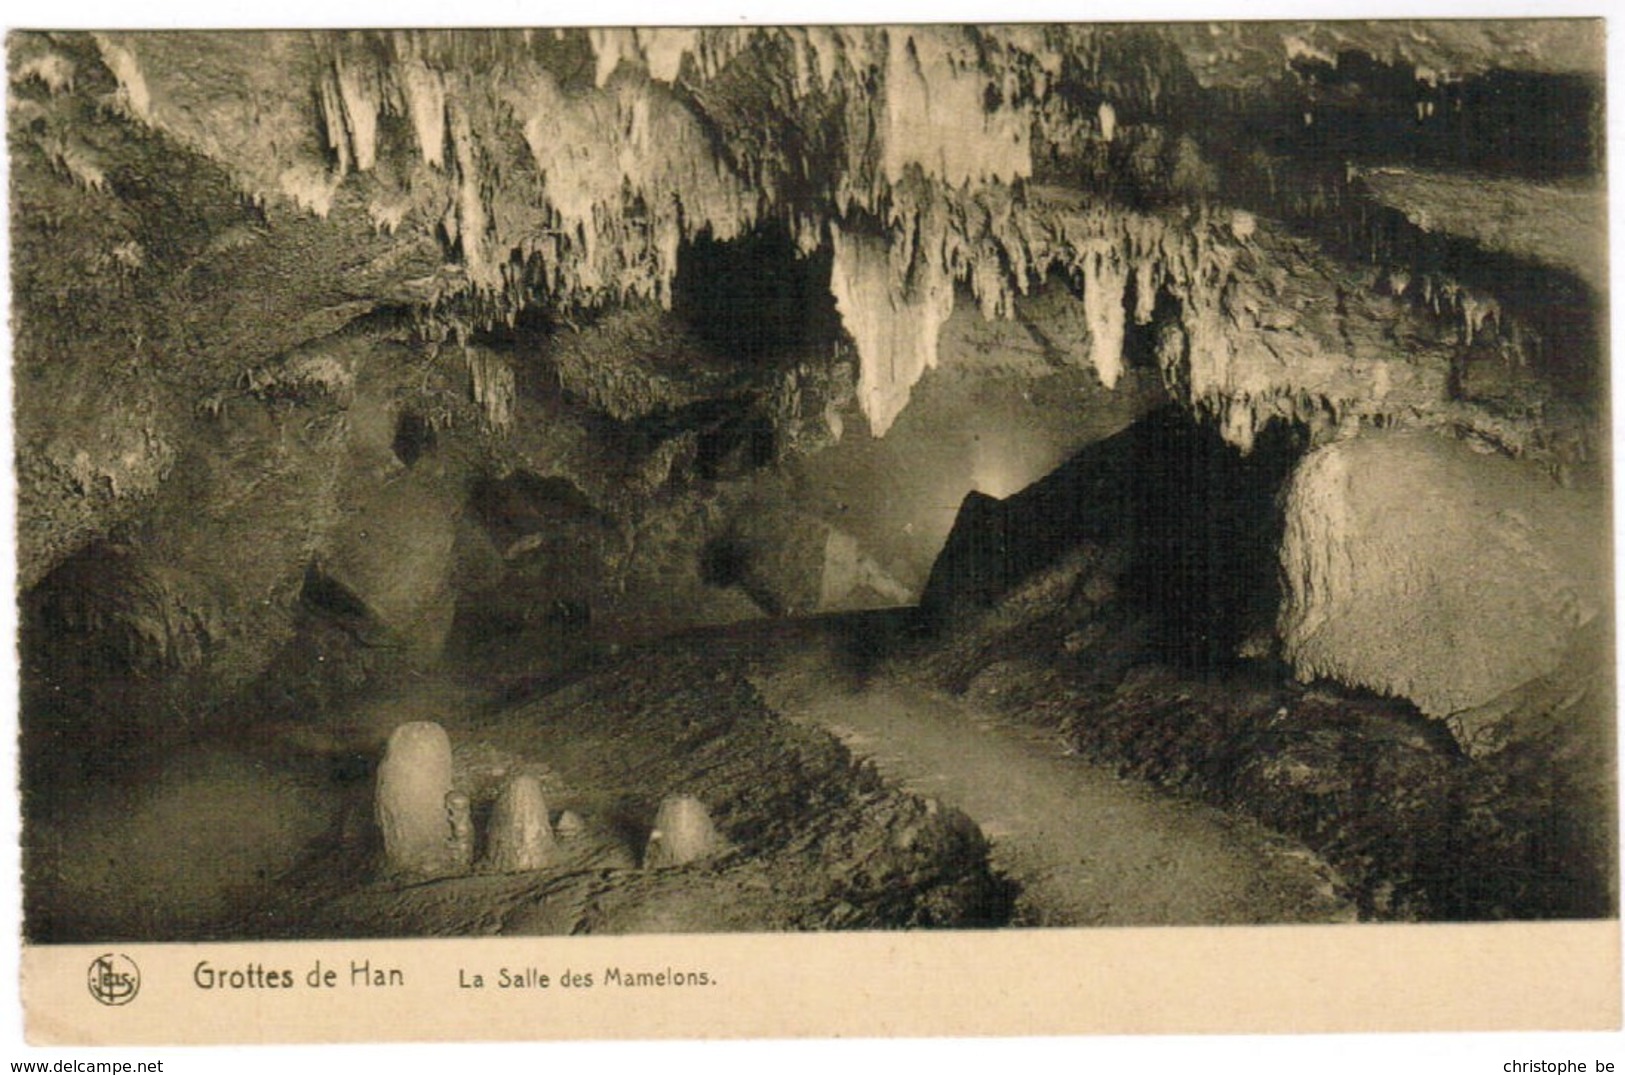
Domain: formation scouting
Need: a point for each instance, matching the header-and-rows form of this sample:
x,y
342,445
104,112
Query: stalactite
x,y
1104,282
133,93
664,48
1476,310
359,95
1145,290
331,105
626,171
309,186
895,326
936,117
54,71
610,45
910,151
491,385
78,161
469,222
602,153
423,95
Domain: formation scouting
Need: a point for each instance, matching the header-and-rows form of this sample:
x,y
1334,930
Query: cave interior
x,y
716,430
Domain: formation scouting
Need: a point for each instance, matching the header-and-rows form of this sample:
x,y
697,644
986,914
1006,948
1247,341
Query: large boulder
x,y
1419,567
395,556
1186,517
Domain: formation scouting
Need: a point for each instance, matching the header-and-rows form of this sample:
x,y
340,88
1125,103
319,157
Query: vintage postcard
x,y
813,530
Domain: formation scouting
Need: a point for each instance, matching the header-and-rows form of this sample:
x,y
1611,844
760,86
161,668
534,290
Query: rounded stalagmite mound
x,y
682,833
570,825
519,837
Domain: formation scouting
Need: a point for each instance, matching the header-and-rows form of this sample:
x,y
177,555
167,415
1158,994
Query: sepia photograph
x,y
983,482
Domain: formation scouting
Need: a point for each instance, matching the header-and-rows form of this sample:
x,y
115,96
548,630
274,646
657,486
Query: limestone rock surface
x,y
1418,567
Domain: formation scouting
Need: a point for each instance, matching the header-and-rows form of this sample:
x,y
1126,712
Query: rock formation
x,y
519,837
682,833
1418,567
460,844
570,825
412,802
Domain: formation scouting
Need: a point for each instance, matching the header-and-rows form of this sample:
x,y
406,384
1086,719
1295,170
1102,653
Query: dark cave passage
x,y
757,297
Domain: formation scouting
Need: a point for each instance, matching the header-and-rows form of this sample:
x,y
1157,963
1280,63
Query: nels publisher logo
x,y
114,979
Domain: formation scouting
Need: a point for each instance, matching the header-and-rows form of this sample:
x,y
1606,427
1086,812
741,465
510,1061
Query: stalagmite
x,y
682,833
414,780
519,837
460,845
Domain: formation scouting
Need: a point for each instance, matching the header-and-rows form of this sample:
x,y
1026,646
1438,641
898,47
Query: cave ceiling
x,y
1308,222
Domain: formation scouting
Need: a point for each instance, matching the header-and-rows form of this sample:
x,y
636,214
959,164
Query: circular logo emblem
x,y
114,979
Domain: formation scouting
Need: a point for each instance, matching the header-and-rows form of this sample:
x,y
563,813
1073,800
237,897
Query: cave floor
x,y
1085,847
851,798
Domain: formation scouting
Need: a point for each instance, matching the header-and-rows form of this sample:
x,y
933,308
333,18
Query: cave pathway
x,y
1086,847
